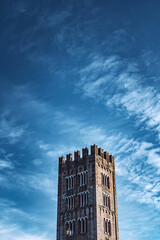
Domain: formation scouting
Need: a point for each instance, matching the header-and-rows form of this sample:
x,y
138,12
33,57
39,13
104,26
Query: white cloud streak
x,y
120,86
27,182
13,232
9,130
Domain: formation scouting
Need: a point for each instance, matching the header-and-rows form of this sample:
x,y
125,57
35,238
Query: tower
x,y
87,203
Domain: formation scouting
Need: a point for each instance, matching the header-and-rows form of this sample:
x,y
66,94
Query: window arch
x,y
107,226
105,180
82,225
83,178
106,200
83,198
70,182
70,227
70,202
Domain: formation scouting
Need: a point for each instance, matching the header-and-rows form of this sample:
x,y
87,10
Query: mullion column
x,y
81,226
84,226
86,198
81,200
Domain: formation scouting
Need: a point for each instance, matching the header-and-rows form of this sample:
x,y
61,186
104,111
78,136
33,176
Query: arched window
x,y
103,200
106,200
83,178
70,182
108,183
70,202
107,226
86,198
79,226
109,202
83,199
67,229
70,226
82,225
105,180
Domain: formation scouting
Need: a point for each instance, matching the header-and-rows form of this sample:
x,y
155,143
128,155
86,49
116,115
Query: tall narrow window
x,y
82,225
79,226
107,226
66,183
83,199
70,202
86,198
108,184
105,180
67,229
106,200
70,182
86,178
70,228
83,178
103,200
102,178
109,202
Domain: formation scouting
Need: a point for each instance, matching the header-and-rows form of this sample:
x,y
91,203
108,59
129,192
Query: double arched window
x,y
105,180
70,202
83,178
106,200
107,226
70,181
82,225
70,227
83,198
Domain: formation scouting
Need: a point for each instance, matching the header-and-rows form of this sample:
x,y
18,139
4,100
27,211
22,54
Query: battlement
x,y
94,150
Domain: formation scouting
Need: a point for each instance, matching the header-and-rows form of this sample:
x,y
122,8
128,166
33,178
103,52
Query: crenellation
x,y
77,155
69,157
101,152
85,152
61,160
106,156
111,159
94,149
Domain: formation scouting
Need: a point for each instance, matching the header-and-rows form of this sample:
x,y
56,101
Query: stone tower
x,y
87,203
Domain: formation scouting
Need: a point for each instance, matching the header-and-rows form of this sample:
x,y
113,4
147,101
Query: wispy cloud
x,y
137,221
120,85
41,182
4,164
9,129
120,41
5,159
12,223
14,232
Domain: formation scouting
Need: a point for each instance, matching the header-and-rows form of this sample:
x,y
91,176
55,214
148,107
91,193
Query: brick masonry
x,y
95,164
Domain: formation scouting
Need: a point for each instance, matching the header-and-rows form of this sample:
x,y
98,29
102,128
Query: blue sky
x,y
74,73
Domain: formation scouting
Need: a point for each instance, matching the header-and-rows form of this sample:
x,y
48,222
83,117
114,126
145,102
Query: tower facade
x,y
87,203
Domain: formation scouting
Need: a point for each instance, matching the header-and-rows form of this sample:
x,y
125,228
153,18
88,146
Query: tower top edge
x,y
94,151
